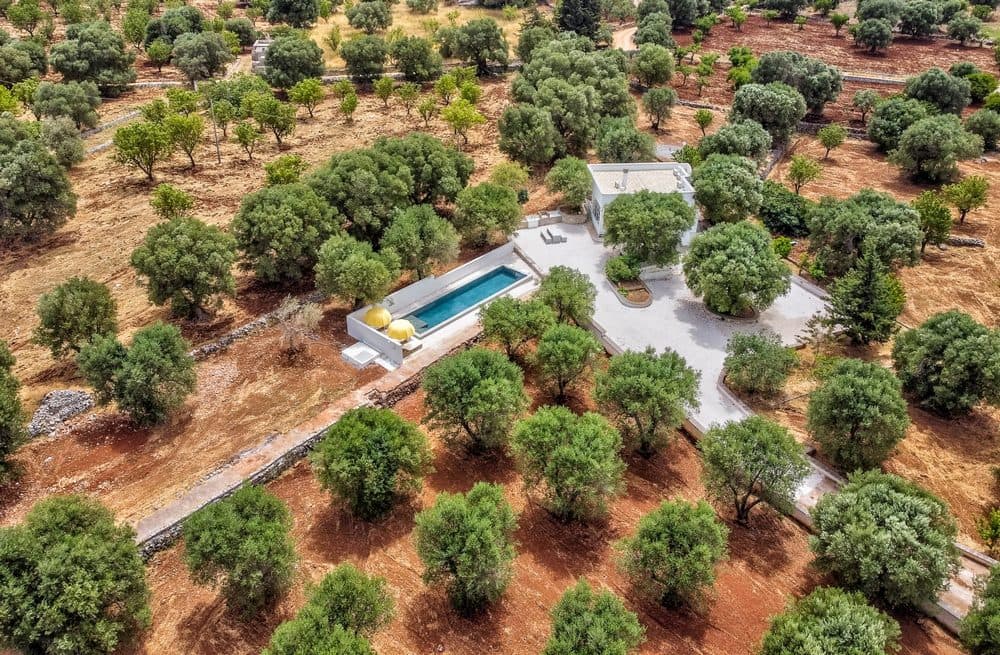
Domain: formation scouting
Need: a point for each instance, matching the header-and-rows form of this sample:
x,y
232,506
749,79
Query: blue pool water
x,y
458,300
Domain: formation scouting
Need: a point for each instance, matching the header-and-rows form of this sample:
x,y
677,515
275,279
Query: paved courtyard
x,y
676,319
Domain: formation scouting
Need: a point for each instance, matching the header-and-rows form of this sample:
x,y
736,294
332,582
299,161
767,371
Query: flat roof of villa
x,y
661,177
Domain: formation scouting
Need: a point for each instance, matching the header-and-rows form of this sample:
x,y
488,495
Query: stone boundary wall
x,y
380,399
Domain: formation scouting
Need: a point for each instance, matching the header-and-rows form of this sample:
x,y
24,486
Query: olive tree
x,y
857,415
949,363
978,633
94,52
874,34
564,354
831,620
648,225
841,230
935,218
746,138
292,59
242,544
511,323
920,18
71,580
297,13
727,187
620,141
472,397
365,56
658,104
148,379
652,64
369,16
351,270
13,419
735,269
73,313
569,293
36,195
931,148
573,460
750,462
439,171
647,395
864,101
528,135
818,82
370,458
279,230
416,58
588,622
77,101
186,262
481,42
673,554
887,538
202,55
485,210
570,177
344,609
890,119
950,94
777,107
758,362
422,239
964,28
986,124
466,541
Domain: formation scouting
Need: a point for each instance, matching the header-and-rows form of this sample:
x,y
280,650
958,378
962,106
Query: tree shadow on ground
x,y
432,621
340,535
566,548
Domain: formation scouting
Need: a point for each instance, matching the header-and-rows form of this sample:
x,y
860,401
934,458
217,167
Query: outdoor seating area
x,y
549,238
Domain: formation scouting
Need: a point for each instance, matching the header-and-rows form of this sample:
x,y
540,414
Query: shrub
x,y
243,544
752,461
585,622
564,354
831,620
364,56
622,268
647,395
758,363
727,188
981,85
370,458
473,397
674,551
858,414
885,537
370,16
512,323
71,545
416,58
648,226
978,632
466,541
73,313
279,230
782,211
867,301
986,124
574,459
186,262
950,363
569,293
147,380
735,269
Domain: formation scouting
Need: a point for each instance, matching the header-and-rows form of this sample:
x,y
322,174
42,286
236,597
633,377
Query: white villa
x,y
613,180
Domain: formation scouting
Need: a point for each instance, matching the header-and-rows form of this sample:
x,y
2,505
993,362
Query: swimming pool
x,y
465,297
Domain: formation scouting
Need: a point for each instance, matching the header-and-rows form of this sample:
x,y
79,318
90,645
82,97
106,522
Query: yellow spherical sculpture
x,y
378,317
400,329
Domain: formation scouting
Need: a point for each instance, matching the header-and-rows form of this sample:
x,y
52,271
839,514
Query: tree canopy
x,y
867,300
746,138
291,59
71,580
466,541
727,187
931,148
73,313
735,269
94,52
887,538
588,622
777,107
648,225
818,82
353,271
857,415
758,362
